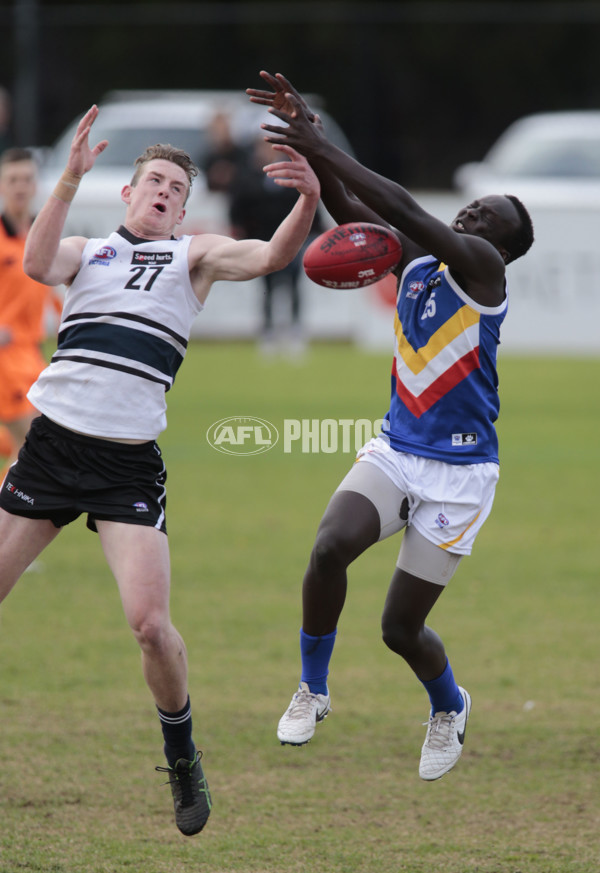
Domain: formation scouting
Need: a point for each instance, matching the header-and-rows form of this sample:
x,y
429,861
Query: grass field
x,y
80,738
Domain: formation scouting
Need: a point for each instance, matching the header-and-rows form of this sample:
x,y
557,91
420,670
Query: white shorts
x,y
445,503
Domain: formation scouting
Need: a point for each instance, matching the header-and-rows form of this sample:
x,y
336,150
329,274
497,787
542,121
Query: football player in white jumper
x,y
130,301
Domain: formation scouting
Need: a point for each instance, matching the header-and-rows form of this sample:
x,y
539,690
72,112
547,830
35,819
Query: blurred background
x,y
420,91
419,87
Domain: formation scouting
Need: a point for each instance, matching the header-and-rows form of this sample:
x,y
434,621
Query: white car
x,y
547,159
132,120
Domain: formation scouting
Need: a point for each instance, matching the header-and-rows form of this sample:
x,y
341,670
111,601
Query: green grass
x,y
80,736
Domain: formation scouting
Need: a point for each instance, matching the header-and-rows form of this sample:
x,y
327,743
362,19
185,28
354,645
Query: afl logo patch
x,y
414,289
103,256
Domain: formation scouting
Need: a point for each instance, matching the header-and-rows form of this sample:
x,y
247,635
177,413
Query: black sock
x,y
177,732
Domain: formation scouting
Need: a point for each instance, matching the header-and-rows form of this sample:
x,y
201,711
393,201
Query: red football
x,y
352,255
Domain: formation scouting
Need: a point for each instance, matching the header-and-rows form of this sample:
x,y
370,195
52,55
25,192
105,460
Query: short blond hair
x,y
166,152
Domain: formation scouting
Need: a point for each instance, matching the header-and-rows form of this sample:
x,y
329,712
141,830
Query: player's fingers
x,y
287,85
273,140
82,128
263,101
278,113
257,93
298,167
296,159
273,169
270,79
300,106
98,149
89,115
290,90
80,139
288,149
88,119
294,99
294,178
274,128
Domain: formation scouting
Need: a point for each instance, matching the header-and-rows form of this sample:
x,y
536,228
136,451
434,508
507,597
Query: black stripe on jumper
x,y
128,316
122,342
111,365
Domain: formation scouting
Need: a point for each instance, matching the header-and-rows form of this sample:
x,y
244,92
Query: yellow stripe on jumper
x,y
417,360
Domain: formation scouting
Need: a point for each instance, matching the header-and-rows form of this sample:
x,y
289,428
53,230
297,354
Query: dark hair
x,y
166,153
13,155
519,242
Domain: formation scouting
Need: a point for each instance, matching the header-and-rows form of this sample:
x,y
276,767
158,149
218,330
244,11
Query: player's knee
x,y
331,550
151,633
401,637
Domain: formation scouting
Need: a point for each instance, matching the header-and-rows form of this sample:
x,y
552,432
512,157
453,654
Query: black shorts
x,y
60,474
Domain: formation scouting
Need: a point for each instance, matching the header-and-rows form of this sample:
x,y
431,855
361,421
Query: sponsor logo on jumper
x,y
140,506
20,494
434,283
103,256
442,521
464,439
151,258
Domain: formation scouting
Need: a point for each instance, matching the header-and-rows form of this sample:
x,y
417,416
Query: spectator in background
x,y
256,207
224,155
23,303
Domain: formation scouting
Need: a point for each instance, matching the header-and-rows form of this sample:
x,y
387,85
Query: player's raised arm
x,y
49,259
479,260
342,205
214,258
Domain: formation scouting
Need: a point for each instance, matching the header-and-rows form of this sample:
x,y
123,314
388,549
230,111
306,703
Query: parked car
x,y
547,159
132,120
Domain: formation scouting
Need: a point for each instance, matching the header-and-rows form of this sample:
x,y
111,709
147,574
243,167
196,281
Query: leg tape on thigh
x,y
420,557
391,503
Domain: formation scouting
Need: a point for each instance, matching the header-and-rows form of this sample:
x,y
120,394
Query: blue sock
x,y
443,692
316,653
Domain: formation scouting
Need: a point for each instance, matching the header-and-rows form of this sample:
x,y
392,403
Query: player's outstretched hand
x,y
295,172
278,98
301,133
81,157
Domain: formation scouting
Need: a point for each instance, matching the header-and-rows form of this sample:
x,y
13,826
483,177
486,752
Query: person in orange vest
x,y
23,303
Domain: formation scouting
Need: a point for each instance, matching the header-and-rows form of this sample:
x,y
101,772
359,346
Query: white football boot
x,y
298,723
444,741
